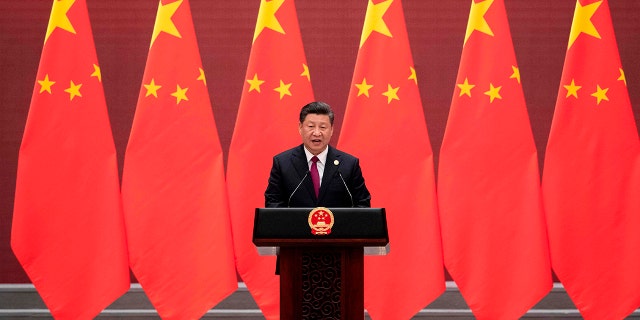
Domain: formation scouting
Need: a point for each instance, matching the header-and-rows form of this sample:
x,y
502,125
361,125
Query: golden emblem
x,y
320,221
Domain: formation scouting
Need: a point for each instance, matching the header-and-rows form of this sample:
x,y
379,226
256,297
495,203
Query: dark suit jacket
x,y
291,167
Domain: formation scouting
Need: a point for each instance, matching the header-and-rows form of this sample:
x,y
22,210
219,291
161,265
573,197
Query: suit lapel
x,y
330,171
299,160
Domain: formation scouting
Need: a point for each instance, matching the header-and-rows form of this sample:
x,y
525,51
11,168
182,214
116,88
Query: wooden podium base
x,y
321,283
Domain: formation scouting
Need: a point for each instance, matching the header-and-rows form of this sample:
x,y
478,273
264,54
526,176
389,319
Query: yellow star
x,y
373,20
96,72
601,94
283,89
163,21
202,77
363,88
152,88
305,72
515,74
255,83
622,77
477,20
572,89
465,87
582,21
413,76
391,93
267,17
45,84
59,19
73,90
494,92
180,94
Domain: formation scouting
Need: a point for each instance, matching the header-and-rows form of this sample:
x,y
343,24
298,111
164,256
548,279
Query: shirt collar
x,y
322,157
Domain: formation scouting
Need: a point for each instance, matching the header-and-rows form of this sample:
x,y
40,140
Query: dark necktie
x,y
315,176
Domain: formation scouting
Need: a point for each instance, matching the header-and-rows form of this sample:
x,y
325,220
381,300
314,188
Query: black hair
x,y
316,107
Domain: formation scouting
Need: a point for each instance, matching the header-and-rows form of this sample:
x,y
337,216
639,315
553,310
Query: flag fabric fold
x,y
277,85
173,189
384,99
493,229
68,230
591,178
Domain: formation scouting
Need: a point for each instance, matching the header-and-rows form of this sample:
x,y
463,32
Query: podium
x,y
321,257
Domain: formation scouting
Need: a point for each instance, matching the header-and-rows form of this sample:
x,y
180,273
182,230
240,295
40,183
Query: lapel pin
x,y
336,162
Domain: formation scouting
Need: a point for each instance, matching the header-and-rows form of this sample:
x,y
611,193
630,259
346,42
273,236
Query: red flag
x,y
493,231
277,86
68,230
384,99
173,188
591,176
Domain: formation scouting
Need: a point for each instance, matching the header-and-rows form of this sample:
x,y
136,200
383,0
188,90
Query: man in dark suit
x,y
337,174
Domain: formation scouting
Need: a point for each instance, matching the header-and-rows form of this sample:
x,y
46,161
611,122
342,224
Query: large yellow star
x,y
363,88
582,21
45,84
97,73
515,74
59,19
391,93
493,93
305,72
373,20
465,87
267,17
164,22
152,88
622,77
180,94
73,90
283,89
202,77
477,21
413,76
254,84
600,94
572,89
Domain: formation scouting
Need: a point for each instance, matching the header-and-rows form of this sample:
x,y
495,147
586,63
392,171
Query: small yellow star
x,y
515,74
202,77
477,22
600,94
373,20
622,77
255,83
494,92
59,19
582,21
96,72
73,90
391,93
152,88
572,89
45,84
465,87
164,22
283,89
267,17
363,88
305,72
413,76
180,94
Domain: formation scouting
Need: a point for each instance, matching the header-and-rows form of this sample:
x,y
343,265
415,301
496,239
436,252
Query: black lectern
x,y
321,257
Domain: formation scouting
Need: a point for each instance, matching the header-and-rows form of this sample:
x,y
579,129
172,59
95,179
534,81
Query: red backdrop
x,y
331,33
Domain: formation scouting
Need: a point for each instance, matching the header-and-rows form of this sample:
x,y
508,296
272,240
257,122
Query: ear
x,y
300,128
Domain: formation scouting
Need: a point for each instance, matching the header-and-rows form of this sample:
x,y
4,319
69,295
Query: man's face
x,y
316,131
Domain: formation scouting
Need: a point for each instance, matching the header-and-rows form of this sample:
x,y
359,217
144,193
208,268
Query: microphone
x,y
345,186
297,187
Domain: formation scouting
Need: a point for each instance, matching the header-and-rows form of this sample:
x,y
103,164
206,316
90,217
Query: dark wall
x,y
331,33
